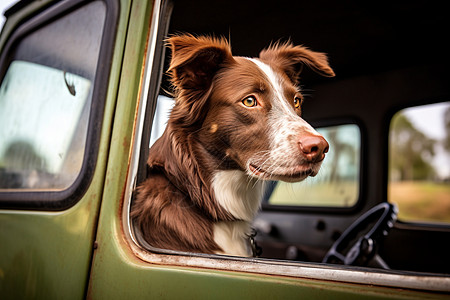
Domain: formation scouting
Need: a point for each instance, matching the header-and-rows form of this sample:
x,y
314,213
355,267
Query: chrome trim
x,y
315,271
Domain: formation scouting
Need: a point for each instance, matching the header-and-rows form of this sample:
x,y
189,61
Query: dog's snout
x,y
313,147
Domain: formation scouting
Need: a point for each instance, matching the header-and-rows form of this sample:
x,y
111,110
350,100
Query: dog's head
x,y
245,113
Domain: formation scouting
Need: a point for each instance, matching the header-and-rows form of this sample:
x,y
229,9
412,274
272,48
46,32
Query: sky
x,y
4,4
429,119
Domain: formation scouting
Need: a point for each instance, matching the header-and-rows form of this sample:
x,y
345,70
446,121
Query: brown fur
x,y
175,207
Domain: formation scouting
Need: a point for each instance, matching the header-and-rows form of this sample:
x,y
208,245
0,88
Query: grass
x,y
322,194
421,201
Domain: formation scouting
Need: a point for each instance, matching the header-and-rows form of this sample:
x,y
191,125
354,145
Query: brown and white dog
x,y
236,122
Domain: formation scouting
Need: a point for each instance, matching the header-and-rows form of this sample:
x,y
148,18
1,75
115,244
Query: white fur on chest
x,y
232,237
238,193
241,196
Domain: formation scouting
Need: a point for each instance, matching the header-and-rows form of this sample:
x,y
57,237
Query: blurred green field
x,y
418,201
421,201
311,193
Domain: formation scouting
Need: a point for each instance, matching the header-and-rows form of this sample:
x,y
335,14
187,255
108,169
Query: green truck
x,y
83,94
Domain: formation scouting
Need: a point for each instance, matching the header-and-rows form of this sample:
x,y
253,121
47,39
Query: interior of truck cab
x,y
382,197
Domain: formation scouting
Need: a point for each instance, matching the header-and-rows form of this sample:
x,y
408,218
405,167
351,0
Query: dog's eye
x,y
249,101
297,102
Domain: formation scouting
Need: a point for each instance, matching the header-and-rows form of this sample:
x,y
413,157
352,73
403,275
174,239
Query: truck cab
x,y
83,95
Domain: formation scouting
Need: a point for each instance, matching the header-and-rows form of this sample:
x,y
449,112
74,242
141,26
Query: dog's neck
x,y
238,193
226,195
230,197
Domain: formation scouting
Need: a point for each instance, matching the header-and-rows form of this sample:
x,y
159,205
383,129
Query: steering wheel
x,y
364,250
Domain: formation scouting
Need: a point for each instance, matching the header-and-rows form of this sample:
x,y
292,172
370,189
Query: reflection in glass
x,y
337,183
41,110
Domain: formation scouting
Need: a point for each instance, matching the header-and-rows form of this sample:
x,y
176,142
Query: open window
x,y
419,163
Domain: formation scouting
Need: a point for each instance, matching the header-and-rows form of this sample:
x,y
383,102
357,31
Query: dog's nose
x,y
313,147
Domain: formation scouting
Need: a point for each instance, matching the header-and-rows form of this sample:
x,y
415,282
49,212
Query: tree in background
x,y
341,151
447,129
410,151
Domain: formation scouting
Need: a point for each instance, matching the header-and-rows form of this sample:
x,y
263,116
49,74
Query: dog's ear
x,y
195,60
291,59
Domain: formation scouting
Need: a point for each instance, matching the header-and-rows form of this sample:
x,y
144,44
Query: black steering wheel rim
x,y
366,246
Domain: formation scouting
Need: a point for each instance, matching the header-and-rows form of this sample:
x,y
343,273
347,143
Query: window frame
x,y
64,199
145,117
149,255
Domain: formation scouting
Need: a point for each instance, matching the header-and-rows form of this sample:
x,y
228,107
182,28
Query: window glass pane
x,y
37,130
419,163
45,98
337,184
